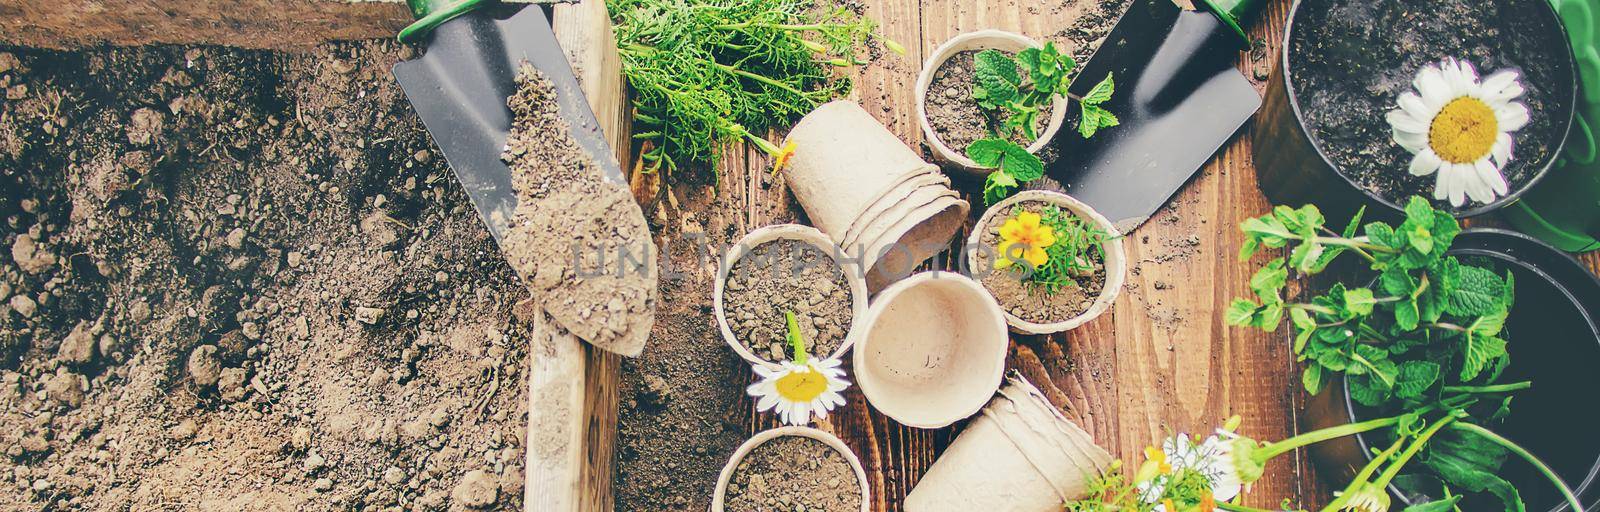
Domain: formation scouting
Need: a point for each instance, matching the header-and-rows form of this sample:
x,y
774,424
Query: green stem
x,y
1521,452
1313,308
1360,479
1317,436
778,26
1387,380
1356,243
766,80
1411,451
1485,390
795,340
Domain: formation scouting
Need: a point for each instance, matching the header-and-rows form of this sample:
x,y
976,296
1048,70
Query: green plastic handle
x,y
430,13
1234,13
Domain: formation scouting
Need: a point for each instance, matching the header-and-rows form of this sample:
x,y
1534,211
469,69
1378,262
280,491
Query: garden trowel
x,y
1179,98
460,85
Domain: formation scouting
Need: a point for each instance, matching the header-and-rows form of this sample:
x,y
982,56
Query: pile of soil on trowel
x,y
580,243
239,280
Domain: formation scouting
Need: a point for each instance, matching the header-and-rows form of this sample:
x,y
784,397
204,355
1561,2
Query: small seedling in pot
x,y
1050,249
800,387
999,88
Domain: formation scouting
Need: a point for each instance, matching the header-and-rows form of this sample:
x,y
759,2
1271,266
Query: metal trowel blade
x,y
1179,99
459,88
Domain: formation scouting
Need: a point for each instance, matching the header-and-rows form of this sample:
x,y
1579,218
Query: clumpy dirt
x,y
580,243
1030,302
245,281
1348,72
793,473
956,117
787,275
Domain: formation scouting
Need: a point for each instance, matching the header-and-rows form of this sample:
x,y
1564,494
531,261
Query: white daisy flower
x,y
801,387
1211,458
799,390
1459,129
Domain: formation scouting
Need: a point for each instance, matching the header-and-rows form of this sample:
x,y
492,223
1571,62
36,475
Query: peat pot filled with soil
x,y
952,119
1378,100
1554,342
792,468
1052,262
787,268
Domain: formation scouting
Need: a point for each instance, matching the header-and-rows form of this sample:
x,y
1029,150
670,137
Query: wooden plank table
x,y
1161,361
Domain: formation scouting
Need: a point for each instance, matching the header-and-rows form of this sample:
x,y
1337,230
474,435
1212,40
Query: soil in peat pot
x,y
787,275
1348,72
793,473
1030,302
956,117
223,289
563,205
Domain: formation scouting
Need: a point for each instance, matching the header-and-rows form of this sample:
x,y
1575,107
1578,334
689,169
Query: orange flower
x,y
1023,238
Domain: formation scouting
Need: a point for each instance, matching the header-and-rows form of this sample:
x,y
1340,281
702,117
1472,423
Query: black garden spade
x,y
460,85
1179,99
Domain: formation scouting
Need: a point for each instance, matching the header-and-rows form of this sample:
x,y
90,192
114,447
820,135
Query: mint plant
x,y
999,88
1424,341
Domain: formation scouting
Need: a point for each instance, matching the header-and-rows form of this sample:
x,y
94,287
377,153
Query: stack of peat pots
x,y
870,193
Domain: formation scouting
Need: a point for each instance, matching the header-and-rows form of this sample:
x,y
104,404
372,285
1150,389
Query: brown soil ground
x,y
793,473
787,275
1030,302
244,281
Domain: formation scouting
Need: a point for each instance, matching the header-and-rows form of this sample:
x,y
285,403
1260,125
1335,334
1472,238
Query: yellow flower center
x,y
802,386
1464,131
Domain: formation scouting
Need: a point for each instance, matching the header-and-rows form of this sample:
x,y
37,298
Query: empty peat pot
x,y
978,41
1017,297
931,349
784,264
1323,136
1019,455
719,500
1554,341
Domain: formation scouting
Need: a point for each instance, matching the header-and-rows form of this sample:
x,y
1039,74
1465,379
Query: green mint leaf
x,y
1248,248
1397,282
1270,316
1367,390
1478,291
997,186
1355,223
1240,312
1415,377
1419,211
1406,315
1467,461
1490,324
1334,359
1359,301
1304,257
1510,295
1268,282
1300,337
1021,164
988,152
1479,352
1445,228
1101,92
995,80
1313,379
1381,234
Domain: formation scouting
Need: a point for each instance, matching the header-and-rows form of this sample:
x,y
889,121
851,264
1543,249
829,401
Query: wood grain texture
x,y
573,386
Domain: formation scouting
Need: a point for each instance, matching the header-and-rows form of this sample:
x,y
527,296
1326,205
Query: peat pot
x,y
831,440
1554,335
931,349
808,235
1010,42
1322,136
1019,455
981,256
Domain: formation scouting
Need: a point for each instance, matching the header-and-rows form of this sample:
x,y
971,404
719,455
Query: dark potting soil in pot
x,y
956,117
787,275
1028,301
793,473
1350,60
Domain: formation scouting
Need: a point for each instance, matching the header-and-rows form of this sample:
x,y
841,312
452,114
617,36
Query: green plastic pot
x,y
1564,210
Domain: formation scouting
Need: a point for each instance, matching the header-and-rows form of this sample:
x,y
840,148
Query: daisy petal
x,y
1502,150
1412,104
1477,188
1435,91
1498,82
1458,184
1425,163
1441,184
1412,142
1402,121
1492,178
1512,117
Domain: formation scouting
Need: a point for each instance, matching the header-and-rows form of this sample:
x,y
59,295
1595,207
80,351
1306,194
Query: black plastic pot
x,y
1555,342
1292,168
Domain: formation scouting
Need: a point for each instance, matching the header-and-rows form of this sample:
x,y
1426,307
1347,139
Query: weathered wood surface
x,y
573,386
1162,361
268,24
